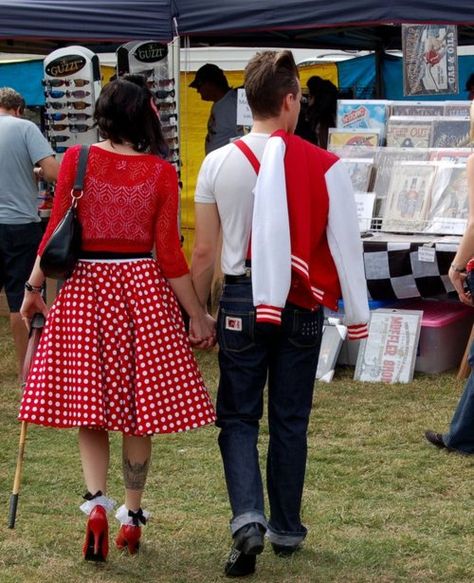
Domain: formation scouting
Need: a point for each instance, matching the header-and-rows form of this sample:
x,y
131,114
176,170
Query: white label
x,y
426,254
234,324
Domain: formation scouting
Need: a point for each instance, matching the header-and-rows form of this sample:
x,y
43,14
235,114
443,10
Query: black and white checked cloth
x,y
396,269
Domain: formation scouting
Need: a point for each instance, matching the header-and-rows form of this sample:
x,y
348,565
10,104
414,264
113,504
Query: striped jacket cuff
x,y
357,331
269,314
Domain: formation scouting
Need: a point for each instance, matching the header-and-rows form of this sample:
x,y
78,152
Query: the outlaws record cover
x,y
430,63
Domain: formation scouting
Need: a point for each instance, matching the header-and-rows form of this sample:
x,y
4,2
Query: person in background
x,y
305,248
22,146
211,84
460,436
470,86
322,109
114,354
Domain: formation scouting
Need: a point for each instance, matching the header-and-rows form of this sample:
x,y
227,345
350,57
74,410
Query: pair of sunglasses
x,y
165,82
65,82
71,116
59,149
58,139
163,94
76,93
169,117
166,106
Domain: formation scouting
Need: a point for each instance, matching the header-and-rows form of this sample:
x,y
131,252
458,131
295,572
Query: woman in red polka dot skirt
x,y
114,354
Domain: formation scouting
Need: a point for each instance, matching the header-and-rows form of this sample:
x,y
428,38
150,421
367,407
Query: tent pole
x,y
379,87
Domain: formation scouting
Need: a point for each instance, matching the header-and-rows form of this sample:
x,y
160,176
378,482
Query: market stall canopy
x,y
42,25
344,24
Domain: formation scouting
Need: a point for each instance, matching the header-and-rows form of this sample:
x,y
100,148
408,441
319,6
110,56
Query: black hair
x,y
124,113
470,82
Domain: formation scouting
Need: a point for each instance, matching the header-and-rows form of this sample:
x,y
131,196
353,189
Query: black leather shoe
x,y
248,543
285,550
436,439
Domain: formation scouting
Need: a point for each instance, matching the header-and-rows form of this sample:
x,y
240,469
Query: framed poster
x,y
430,62
388,354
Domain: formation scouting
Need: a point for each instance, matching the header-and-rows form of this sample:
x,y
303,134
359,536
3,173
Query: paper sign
x,y
244,115
388,354
365,207
426,254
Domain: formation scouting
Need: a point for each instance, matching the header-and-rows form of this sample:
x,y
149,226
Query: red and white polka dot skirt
x,y
114,354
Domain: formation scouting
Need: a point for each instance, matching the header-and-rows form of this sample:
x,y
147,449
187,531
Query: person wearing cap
x,y
212,85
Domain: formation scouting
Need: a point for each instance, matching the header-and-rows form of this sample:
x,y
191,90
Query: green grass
x,y
381,505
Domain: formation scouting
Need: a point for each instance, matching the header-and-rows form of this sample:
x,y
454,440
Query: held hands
x,y
202,331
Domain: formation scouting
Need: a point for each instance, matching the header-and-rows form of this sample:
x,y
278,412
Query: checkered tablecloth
x,y
396,269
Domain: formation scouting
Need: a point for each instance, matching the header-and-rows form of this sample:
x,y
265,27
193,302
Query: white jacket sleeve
x,y
271,246
346,249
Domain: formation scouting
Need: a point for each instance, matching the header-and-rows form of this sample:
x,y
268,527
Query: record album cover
x,y
409,132
408,197
451,133
339,138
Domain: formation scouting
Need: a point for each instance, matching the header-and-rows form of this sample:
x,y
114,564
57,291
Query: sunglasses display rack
x,y
71,87
159,64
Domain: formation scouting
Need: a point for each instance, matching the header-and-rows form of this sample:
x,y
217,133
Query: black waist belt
x,y
112,255
233,279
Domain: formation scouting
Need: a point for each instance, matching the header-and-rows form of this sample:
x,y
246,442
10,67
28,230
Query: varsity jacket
x,y
306,246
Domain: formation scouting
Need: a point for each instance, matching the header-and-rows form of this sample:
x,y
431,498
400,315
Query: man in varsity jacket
x,y
291,245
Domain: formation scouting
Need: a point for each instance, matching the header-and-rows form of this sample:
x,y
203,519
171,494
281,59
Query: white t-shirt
x,y
222,123
227,178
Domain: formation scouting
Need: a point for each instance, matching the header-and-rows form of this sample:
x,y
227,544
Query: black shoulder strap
x,y
81,169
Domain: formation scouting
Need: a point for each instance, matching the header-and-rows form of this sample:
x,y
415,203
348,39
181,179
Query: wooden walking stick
x,y
36,328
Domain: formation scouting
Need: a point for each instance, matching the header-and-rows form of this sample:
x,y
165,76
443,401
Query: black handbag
x,y
63,248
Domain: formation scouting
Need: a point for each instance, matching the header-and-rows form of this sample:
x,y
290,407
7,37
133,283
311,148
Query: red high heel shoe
x,y
129,538
96,545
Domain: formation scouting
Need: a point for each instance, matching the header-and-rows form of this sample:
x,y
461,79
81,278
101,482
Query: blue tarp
x,y
359,75
24,77
356,74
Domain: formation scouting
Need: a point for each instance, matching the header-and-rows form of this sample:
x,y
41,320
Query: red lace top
x,y
129,203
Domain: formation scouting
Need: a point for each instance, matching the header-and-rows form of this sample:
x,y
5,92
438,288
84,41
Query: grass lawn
x,y
381,505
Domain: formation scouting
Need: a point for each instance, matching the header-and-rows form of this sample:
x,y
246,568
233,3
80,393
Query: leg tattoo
x,y
135,473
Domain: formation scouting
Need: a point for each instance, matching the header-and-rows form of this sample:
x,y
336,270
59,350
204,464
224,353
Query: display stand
x,y
159,64
72,85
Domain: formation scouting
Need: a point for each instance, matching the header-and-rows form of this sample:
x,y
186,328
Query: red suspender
x,y
247,152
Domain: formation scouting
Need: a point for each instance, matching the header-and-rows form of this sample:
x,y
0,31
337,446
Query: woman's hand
x,y
458,279
202,331
32,304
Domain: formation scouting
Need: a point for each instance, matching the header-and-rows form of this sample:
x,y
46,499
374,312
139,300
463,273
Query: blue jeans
x,y
461,431
288,356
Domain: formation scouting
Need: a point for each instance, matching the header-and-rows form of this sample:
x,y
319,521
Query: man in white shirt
x,y
212,85
295,203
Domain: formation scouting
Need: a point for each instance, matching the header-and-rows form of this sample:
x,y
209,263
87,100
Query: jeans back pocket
x,y
236,329
306,328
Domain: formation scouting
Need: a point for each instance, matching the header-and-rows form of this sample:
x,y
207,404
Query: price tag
x,y
426,254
